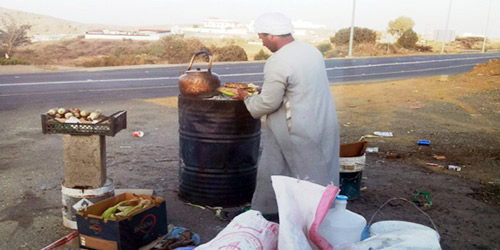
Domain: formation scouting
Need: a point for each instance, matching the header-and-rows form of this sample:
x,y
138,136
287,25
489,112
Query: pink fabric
x,y
324,205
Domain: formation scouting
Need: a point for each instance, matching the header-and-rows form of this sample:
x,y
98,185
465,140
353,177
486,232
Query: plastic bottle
x,y
341,227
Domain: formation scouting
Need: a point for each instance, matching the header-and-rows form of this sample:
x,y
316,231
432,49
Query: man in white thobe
x,y
301,136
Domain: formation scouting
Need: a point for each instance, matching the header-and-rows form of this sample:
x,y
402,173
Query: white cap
x,y
273,23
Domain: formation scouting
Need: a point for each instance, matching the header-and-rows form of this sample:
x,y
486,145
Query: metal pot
x,y
199,83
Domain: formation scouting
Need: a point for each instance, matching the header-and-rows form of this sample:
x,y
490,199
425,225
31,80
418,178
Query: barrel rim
x,y
206,99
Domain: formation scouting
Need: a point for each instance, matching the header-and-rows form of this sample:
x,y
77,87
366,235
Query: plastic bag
x,y
249,231
302,206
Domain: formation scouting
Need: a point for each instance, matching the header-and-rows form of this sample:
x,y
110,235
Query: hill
x,y
45,25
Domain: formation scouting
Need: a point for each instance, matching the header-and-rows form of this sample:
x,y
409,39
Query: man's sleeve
x,y
273,90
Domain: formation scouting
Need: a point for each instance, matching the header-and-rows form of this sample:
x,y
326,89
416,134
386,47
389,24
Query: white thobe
x,y
301,138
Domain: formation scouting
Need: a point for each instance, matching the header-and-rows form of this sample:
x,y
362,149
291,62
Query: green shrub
x,y
361,35
261,55
180,50
422,48
468,42
408,39
324,47
130,59
156,49
230,53
333,53
13,62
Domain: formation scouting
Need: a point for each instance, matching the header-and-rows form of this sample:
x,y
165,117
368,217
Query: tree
x,y
180,50
400,25
361,35
13,35
408,39
229,53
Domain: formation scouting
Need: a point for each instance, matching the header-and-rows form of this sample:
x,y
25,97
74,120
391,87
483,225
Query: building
x,y
217,23
142,34
215,27
52,37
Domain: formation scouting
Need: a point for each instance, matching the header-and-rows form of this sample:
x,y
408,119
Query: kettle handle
x,y
199,53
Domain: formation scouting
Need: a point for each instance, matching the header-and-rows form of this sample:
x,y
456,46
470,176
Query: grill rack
x,y
108,126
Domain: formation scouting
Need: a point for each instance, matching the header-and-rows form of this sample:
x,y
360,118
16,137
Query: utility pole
x,y
446,29
352,28
486,28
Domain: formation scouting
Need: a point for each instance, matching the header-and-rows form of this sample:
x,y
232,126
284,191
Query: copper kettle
x,y
199,83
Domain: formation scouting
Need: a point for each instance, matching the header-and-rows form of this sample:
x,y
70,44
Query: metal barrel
x,y
75,199
219,148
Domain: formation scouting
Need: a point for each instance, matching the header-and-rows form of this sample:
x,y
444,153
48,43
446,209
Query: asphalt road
x,y
161,81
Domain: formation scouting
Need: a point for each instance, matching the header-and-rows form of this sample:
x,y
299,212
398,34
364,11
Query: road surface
x,y
59,88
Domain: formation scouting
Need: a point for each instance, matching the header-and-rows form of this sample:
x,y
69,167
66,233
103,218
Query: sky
x,y
466,16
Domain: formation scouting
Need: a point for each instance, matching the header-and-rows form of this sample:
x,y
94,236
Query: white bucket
x,y
400,235
74,199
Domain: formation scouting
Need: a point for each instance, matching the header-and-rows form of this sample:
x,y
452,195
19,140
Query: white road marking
x,y
86,90
404,71
88,81
110,80
407,63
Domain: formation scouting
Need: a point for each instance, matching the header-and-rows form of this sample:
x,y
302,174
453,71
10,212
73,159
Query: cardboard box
x,y
139,229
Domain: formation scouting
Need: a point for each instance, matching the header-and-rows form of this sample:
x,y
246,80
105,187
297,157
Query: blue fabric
x,y
176,233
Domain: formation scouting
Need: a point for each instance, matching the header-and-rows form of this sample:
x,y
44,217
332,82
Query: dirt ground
x,y
460,115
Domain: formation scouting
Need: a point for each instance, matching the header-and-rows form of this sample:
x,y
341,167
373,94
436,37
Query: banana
x,y
126,207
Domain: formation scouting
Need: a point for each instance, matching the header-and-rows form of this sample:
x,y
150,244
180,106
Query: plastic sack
x,y
249,231
302,206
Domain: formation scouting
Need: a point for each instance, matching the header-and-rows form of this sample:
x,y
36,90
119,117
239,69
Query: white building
x,y
216,27
217,23
142,34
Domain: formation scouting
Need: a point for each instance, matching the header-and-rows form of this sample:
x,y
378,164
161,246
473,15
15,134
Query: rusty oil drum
x,y
219,148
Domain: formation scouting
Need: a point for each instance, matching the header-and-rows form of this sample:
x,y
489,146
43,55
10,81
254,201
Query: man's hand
x,y
241,95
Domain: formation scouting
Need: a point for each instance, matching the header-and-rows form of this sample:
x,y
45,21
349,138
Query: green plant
x,y
13,62
261,55
229,53
422,48
156,49
408,39
400,25
180,50
468,42
324,47
361,35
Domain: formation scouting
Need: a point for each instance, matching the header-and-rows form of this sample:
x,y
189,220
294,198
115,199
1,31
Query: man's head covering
x,y
273,23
